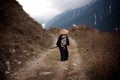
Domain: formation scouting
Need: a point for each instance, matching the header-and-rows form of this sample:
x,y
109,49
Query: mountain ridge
x,y
103,15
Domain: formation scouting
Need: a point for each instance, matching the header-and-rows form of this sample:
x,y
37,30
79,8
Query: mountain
x,y
101,14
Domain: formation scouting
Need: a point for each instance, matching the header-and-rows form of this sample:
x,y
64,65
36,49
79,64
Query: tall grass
x,y
21,38
100,52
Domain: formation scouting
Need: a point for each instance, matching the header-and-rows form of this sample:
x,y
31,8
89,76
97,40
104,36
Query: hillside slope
x,y
100,52
20,35
102,14
25,52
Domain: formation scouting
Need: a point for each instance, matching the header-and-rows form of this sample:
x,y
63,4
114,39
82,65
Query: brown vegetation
x,y
100,51
21,39
20,35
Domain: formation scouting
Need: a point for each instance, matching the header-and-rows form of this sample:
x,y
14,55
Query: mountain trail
x,y
49,67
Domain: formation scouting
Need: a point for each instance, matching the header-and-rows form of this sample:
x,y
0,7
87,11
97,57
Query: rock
x,y
66,68
7,62
19,62
12,50
33,53
74,64
7,72
15,60
45,73
8,65
24,51
27,54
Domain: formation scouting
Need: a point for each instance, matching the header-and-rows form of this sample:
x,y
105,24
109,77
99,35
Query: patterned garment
x,y
62,43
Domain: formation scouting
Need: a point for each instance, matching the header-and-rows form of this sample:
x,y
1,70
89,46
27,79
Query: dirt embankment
x,y
20,35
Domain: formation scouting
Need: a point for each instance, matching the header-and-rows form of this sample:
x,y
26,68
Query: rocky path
x,y
49,67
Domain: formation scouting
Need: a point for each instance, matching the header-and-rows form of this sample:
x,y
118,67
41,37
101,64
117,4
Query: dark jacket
x,y
59,41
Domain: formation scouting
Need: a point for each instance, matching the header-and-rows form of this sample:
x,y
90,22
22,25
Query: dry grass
x,y
55,31
100,51
20,37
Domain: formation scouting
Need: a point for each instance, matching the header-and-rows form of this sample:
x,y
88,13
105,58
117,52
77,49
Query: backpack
x,y
63,41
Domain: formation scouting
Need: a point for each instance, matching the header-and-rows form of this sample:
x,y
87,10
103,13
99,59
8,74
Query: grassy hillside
x,y
20,37
100,51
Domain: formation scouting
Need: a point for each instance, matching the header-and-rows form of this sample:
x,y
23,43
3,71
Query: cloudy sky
x,y
43,10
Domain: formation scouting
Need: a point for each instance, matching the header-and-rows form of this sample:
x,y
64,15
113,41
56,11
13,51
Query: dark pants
x,y
64,54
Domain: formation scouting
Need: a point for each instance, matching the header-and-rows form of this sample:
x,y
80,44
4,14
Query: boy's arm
x,y
68,42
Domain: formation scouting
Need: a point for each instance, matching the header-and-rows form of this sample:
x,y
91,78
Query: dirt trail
x,y
49,67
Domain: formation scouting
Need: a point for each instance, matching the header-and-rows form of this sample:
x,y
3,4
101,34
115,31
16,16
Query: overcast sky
x,y
46,9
